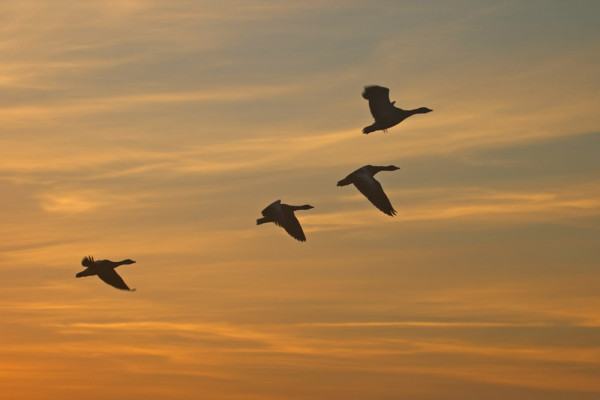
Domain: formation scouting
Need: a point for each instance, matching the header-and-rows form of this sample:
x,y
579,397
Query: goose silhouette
x,y
384,112
364,180
105,269
283,215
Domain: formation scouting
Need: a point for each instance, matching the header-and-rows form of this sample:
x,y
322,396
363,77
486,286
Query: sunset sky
x,y
157,130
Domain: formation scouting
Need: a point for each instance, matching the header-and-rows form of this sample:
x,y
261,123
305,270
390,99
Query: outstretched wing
x,y
113,279
87,261
379,101
270,209
292,226
373,191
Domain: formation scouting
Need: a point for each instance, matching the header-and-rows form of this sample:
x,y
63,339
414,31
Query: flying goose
x,y
105,269
283,215
363,179
385,113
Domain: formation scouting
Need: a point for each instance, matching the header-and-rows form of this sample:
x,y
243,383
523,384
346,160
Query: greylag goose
x,y
384,112
105,269
363,179
283,215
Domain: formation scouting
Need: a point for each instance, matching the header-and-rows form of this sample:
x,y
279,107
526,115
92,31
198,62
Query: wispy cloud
x,y
154,130
423,324
62,109
434,204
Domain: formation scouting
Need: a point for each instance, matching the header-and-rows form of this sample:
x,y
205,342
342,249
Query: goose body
x,y
364,180
283,215
385,113
105,270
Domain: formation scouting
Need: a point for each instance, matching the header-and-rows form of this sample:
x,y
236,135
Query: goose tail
x,y
368,129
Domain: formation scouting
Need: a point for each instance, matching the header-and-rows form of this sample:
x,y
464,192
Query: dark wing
x,y
292,226
87,261
346,181
373,191
379,101
269,210
113,279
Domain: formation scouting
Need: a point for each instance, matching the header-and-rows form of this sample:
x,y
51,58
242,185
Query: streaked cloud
x,y
87,106
467,203
158,130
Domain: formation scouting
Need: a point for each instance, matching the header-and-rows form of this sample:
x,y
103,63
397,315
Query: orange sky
x,y
158,130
